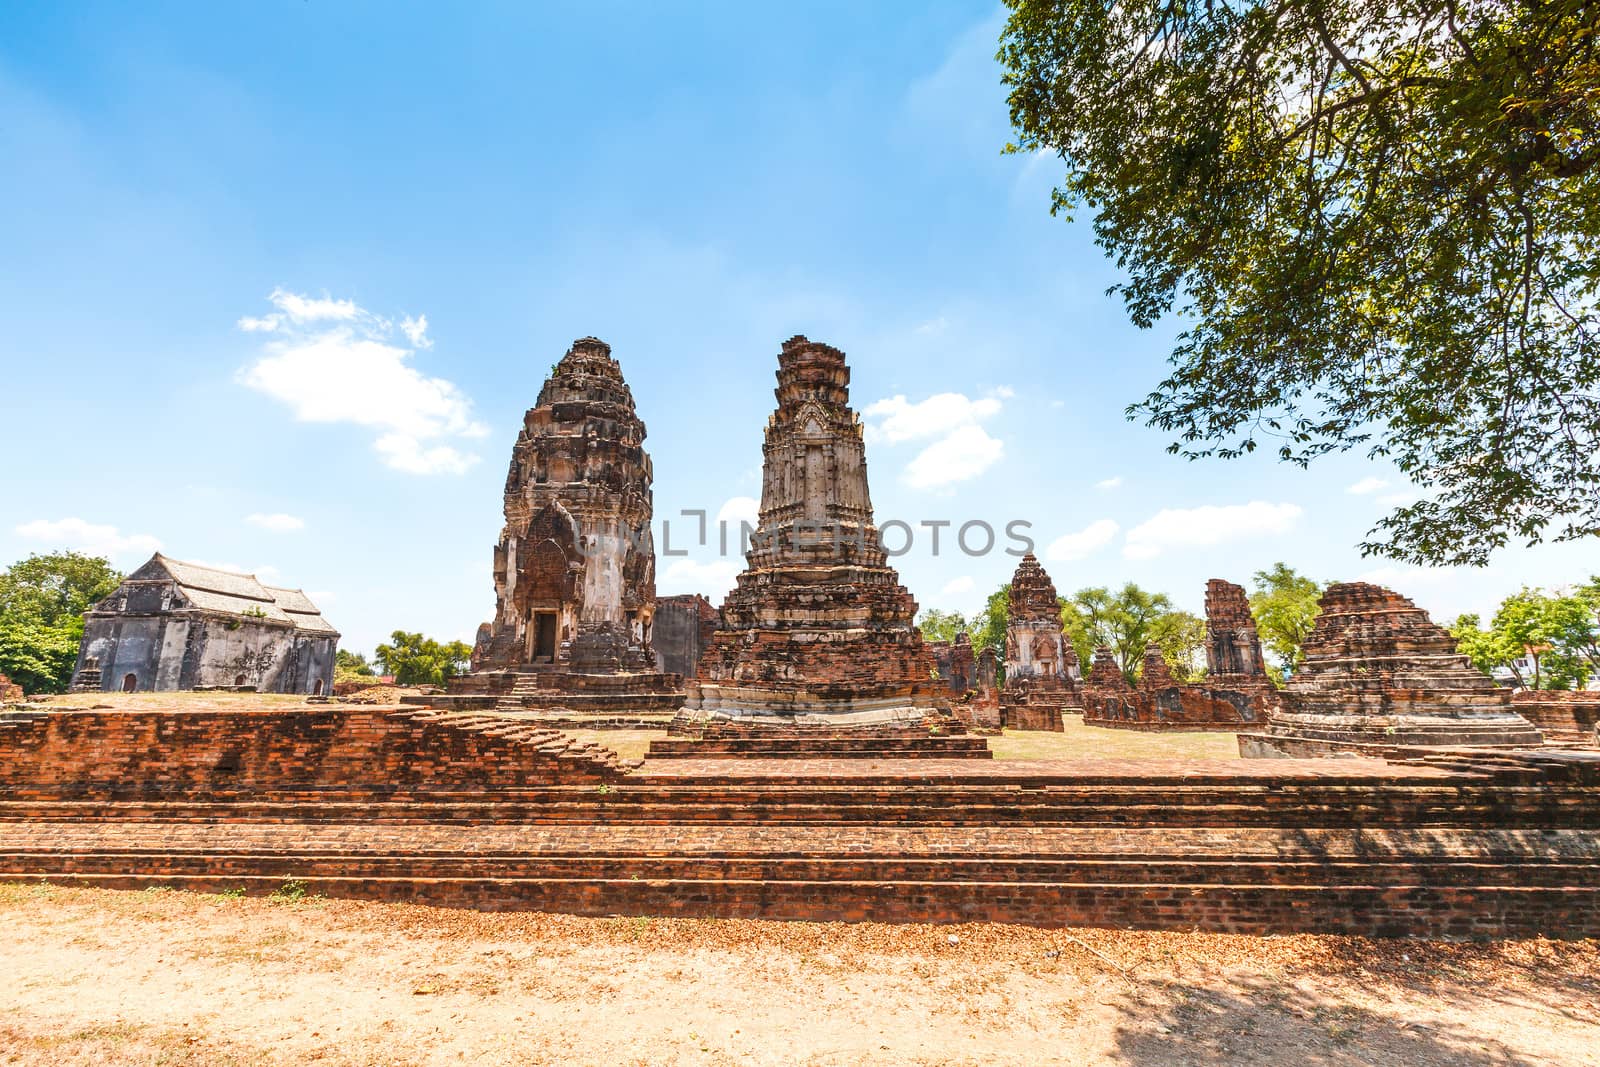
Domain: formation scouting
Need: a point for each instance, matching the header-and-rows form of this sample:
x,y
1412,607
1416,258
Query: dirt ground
x,y
163,977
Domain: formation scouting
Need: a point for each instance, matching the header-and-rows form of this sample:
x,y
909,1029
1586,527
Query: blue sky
x,y
279,280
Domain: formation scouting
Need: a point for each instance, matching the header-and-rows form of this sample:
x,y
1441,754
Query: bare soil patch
x,y
161,977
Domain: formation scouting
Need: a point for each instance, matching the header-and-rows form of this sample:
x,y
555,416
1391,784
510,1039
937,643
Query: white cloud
x,y
1368,485
1109,483
713,578
347,370
941,413
932,327
1087,541
1209,525
963,584
416,331
92,538
964,449
739,509
295,309
966,453
278,522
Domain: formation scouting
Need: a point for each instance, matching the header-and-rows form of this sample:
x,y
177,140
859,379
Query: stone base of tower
x,y
1301,736
1038,704
758,707
625,698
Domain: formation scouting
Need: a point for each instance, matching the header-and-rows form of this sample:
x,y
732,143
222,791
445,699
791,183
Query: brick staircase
x,y
835,746
483,811
525,688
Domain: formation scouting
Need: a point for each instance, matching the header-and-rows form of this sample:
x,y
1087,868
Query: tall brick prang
x,y
574,570
818,631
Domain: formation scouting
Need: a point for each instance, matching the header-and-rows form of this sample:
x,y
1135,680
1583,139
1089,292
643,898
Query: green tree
x,y
1379,224
55,589
1285,605
352,667
1181,636
939,625
39,658
988,627
417,660
1125,621
42,601
1544,641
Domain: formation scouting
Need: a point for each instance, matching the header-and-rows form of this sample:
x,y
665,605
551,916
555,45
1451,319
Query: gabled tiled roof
x,y
230,593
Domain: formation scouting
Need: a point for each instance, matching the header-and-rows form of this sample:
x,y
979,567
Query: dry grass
x,y
180,978
1077,741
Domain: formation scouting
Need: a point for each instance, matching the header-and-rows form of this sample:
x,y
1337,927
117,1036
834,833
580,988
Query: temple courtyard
x,y
168,977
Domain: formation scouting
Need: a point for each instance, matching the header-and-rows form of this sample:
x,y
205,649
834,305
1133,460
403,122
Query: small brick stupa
x,y
1043,676
1378,671
818,632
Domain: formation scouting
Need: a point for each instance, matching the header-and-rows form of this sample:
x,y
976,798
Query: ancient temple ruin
x,y
818,632
1043,676
1235,693
574,569
1379,672
955,663
175,625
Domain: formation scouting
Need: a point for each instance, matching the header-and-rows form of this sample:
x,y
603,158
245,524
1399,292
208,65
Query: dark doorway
x,y
316,690
544,636
130,683
238,680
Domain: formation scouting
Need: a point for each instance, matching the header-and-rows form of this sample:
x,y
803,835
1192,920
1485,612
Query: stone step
x,y
1175,869
1365,910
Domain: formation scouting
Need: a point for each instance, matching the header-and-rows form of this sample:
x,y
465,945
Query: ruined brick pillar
x,y
1233,647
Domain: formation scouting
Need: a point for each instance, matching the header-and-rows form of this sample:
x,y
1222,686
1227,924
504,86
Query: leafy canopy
x,y
1128,621
1545,641
417,660
939,625
42,601
55,589
1285,606
1380,223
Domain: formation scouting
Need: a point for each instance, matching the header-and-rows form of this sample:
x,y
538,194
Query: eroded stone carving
x,y
574,569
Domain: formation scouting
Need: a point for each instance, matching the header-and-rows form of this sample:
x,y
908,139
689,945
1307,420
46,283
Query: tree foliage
x,y
42,601
1545,641
1128,621
939,625
417,660
352,667
988,628
55,589
1380,223
1285,606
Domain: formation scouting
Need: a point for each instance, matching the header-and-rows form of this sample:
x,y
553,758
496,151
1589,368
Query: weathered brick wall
x,y
1564,718
348,751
